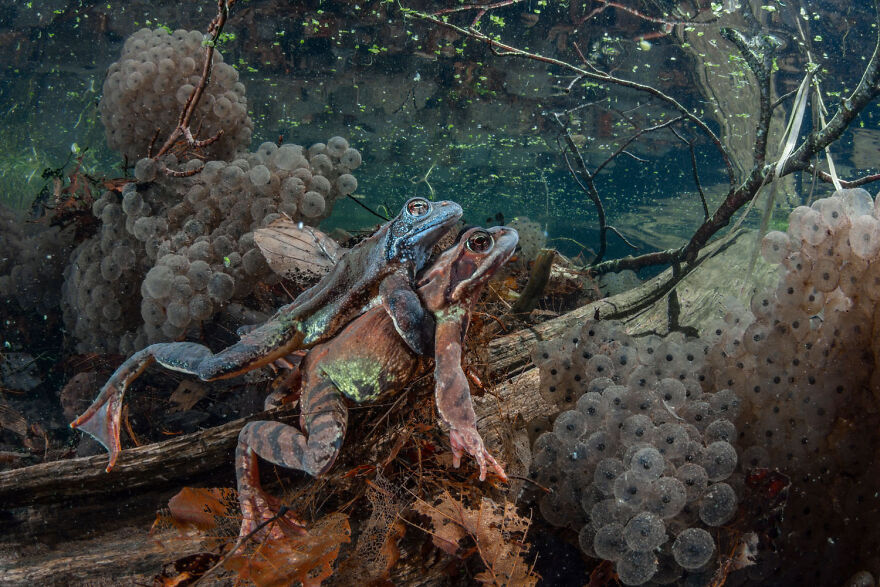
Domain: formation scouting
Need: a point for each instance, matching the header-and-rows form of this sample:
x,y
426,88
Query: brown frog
x,y
368,359
381,267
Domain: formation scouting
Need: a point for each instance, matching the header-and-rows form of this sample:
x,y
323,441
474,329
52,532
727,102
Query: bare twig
x,y
627,142
696,173
623,238
189,108
853,183
368,209
584,179
502,49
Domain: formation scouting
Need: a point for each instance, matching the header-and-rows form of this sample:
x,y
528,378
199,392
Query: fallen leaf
x,y
187,394
307,558
12,420
296,251
498,531
197,513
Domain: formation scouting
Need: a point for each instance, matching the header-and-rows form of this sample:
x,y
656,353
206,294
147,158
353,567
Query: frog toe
x,y
102,423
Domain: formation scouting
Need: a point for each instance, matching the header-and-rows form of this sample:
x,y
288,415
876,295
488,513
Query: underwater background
x,y
665,166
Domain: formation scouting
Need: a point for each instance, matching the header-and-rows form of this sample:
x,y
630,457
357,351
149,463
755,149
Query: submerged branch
x,y
503,49
758,53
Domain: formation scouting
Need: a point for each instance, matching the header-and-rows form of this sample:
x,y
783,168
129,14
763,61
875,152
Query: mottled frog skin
x,y
368,359
381,267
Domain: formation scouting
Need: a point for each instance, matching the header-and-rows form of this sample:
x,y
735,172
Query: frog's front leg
x,y
258,348
413,323
453,397
324,420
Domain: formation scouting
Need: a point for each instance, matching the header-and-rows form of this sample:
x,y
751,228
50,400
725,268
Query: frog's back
x,y
339,297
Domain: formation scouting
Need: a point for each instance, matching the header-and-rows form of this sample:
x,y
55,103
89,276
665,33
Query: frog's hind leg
x,y
324,420
102,418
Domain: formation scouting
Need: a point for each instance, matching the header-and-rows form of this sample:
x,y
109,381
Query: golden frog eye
x,y
418,207
480,242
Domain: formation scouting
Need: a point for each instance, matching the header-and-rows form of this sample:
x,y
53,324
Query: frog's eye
x,y
480,242
418,207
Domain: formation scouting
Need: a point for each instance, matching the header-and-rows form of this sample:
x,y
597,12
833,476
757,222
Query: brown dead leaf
x,y
376,551
187,395
296,251
12,420
498,531
196,513
307,559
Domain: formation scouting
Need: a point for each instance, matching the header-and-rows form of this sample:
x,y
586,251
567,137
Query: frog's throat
x,y
359,379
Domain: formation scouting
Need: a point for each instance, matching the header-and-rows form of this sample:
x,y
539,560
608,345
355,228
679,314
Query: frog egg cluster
x,y
532,236
805,346
147,88
184,247
31,262
803,357
639,455
99,294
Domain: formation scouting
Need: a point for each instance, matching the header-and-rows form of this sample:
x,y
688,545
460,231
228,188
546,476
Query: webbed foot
x,y
102,421
468,440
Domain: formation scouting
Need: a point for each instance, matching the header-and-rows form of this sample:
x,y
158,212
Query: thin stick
x,y
189,108
696,173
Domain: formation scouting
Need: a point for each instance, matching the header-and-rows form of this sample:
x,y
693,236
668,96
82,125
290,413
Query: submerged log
x,y
55,505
